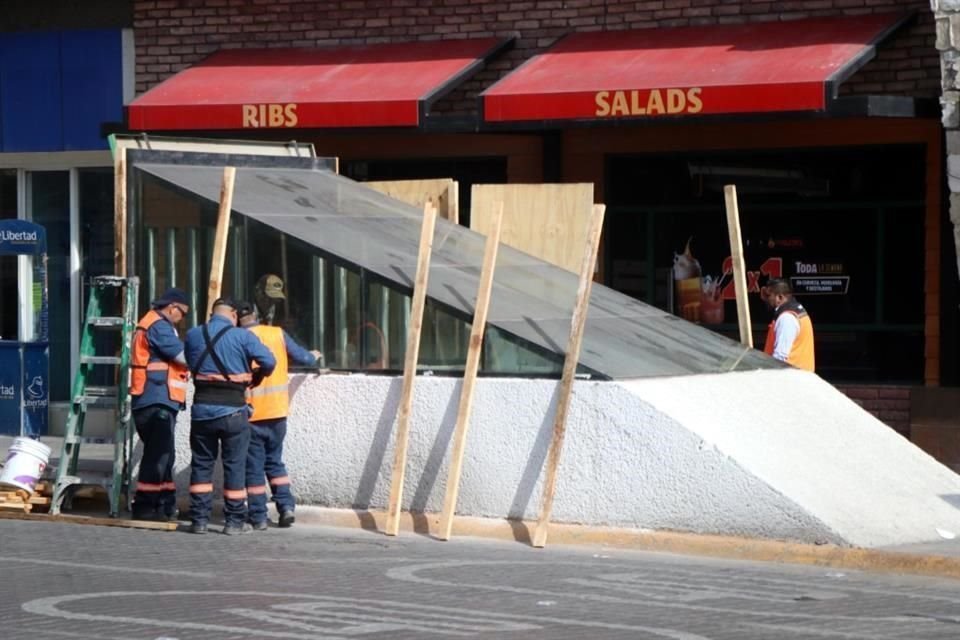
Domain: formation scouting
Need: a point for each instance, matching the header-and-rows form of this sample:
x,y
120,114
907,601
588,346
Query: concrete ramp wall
x,y
798,435
724,454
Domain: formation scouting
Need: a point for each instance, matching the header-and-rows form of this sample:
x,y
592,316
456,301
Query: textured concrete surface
x,y
774,454
94,583
798,435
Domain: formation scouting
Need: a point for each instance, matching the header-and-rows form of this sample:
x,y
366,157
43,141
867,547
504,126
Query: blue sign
x,y
25,366
36,376
10,384
19,237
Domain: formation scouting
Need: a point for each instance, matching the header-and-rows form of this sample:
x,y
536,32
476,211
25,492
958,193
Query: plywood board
x,y
739,266
478,325
441,191
220,241
578,322
548,221
410,369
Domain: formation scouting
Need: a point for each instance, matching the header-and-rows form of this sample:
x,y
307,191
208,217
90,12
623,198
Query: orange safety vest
x,y
270,399
140,363
801,353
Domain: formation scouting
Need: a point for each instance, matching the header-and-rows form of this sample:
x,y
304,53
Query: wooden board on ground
x,y
14,499
102,522
442,192
548,221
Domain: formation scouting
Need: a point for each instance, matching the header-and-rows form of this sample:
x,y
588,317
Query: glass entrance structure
x,y
347,257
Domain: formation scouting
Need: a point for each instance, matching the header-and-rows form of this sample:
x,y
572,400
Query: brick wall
x,y
888,403
173,34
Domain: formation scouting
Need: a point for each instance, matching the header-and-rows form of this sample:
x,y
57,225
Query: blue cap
x,y
171,296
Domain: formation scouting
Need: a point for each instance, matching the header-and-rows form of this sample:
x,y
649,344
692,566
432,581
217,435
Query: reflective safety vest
x,y
270,399
140,363
801,353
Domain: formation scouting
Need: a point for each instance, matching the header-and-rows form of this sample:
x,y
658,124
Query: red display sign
x,y
716,69
384,85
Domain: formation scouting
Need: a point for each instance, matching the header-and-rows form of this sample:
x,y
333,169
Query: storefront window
x,y
8,264
845,227
48,203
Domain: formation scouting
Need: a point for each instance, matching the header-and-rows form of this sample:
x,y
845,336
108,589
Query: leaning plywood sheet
x,y
548,221
441,191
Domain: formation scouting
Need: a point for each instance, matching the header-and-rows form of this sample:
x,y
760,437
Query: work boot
x,y
199,528
237,529
287,519
172,516
260,526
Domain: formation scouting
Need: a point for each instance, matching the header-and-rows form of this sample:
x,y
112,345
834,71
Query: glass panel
x,y
96,255
369,236
174,235
9,320
49,205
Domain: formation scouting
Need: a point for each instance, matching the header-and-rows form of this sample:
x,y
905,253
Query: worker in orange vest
x,y
270,402
158,386
790,334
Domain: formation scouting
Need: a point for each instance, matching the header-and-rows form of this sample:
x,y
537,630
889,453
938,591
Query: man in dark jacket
x,y
220,355
158,390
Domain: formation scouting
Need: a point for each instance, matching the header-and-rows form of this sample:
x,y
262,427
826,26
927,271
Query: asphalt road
x,y
96,583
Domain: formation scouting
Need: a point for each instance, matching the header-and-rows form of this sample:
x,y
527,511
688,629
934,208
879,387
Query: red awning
x,y
384,85
717,69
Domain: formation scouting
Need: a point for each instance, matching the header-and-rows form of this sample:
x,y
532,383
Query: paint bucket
x,y
26,460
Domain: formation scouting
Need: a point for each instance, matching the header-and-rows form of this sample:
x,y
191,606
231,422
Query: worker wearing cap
x,y
270,402
158,388
221,356
790,334
268,293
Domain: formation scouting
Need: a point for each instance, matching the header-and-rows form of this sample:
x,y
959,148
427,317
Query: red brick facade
x,y
173,34
889,404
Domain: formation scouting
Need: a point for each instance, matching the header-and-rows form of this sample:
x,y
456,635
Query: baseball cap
x,y
244,309
272,286
226,302
171,296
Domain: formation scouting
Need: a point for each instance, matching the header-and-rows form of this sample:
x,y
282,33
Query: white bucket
x,y
26,460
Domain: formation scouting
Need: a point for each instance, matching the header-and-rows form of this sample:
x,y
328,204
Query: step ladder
x,y
87,396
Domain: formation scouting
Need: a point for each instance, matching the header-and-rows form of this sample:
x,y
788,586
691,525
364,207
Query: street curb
x,y
729,547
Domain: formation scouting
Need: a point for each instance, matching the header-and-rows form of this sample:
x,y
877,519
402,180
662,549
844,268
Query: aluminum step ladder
x,y
125,292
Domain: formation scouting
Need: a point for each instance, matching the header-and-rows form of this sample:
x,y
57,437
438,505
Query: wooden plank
x,y
410,368
453,202
220,239
739,267
548,221
120,211
470,376
102,522
577,324
440,191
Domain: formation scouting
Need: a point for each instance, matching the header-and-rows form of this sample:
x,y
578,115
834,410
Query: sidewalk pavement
x,y
940,558
936,558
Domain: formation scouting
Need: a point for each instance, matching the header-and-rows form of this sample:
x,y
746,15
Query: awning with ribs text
x,y
765,67
382,85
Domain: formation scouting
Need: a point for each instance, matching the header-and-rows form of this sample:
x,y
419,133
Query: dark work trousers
x,y
265,457
156,492
232,432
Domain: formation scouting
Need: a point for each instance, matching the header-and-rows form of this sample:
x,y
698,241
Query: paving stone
x,y
96,583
